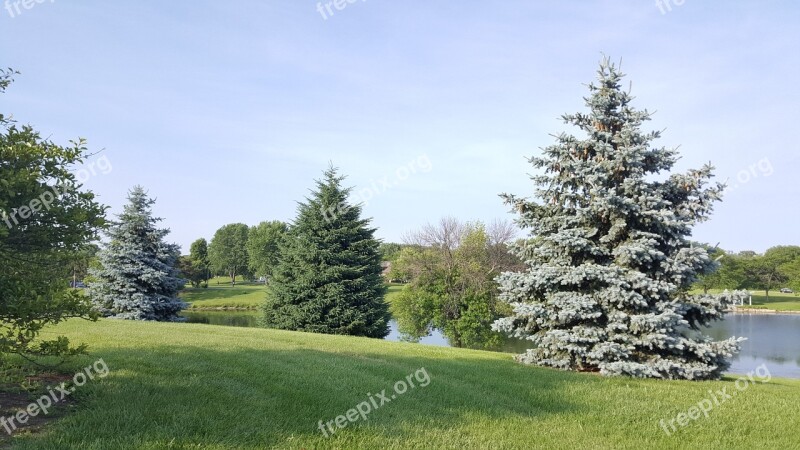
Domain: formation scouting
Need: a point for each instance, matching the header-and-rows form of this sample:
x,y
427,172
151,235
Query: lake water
x,y
773,339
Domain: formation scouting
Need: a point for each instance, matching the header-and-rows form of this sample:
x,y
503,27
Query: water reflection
x,y
773,339
250,319
437,338
247,319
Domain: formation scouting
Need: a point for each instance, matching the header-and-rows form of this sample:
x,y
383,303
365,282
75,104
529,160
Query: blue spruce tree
x,y
609,263
138,279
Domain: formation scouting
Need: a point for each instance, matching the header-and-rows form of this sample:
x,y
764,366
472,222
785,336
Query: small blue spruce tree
x,y
137,279
609,263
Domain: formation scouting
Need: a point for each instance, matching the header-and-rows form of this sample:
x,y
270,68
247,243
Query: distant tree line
x,y
777,268
235,250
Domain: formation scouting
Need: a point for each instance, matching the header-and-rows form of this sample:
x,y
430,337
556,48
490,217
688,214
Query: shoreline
x,y
761,311
731,311
221,308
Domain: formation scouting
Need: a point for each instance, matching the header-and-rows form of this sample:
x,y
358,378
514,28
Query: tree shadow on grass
x,y
257,398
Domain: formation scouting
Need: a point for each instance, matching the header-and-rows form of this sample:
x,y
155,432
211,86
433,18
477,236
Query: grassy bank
x,y
776,300
220,294
393,291
245,295
209,387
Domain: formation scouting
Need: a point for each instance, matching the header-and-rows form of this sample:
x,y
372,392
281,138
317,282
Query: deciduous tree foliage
x,y
82,260
772,270
778,267
609,263
227,252
195,267
263,241
192,270
138,278
46,219
730,273
450,267
717,277
198,254
389,251
328,279
791,271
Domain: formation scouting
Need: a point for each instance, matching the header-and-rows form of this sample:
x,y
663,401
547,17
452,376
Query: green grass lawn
x,y
208,387
776,301
394,291
245,295
220,294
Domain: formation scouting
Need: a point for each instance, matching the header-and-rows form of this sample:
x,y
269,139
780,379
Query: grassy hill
x,y
209,387
220,294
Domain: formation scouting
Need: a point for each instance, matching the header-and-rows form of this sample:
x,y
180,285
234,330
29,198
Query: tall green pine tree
x,y
138,279
609,262
328,279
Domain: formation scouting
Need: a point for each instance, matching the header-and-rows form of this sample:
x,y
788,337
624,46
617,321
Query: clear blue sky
x,y
227,111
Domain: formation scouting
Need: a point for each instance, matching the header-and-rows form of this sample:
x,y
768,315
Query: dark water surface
x,y
773,339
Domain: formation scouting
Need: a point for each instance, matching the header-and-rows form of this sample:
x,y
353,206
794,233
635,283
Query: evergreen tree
x,y
609,263
328,278
137,279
